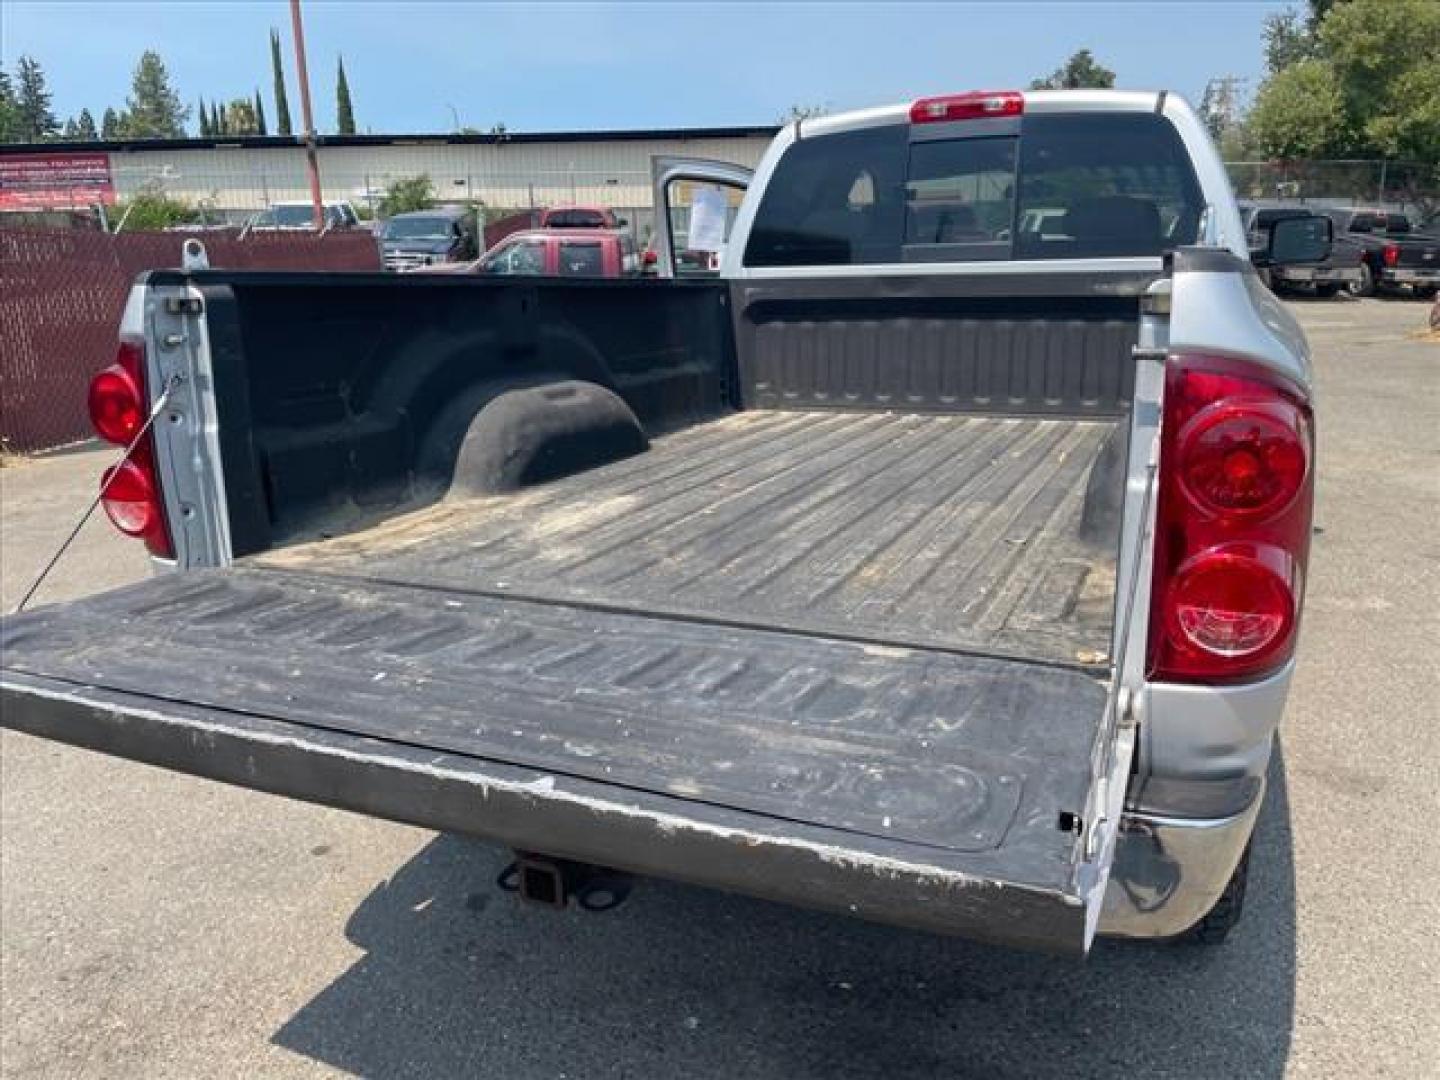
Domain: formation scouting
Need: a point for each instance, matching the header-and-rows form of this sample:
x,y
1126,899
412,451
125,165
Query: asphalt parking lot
x,y
159,926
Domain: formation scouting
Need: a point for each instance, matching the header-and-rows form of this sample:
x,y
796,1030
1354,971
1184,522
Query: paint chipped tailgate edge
x,y
641,832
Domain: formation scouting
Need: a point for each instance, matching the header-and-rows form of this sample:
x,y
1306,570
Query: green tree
x,y
406,194
240,118
152,210
282,105
9,110
216,128
222,121
36,121
259,114
153,108
110,125
1081,71
1386,56
1300,113
85,127
204,120
1292,36
70,132
344,112
1367,85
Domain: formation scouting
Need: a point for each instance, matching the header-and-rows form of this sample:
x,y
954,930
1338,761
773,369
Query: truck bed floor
x,y
917,530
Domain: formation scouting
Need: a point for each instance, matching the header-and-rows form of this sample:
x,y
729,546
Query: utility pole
x,y
305,115
1220,105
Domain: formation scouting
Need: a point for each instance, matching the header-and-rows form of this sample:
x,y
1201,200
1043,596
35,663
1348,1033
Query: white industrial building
x,y
503,170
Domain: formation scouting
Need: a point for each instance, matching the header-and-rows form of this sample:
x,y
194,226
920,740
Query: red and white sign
x,y
59,181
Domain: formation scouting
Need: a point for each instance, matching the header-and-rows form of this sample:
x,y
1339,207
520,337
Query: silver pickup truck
x,y
929,549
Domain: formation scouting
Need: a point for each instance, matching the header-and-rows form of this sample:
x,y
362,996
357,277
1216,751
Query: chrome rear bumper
x,y
1169,872
1406,275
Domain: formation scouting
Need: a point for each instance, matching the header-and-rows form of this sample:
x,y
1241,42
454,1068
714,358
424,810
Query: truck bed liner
x,y
945,531
944,765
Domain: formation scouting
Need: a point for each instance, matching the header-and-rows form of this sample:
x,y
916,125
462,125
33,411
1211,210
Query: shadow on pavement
x,y
458,978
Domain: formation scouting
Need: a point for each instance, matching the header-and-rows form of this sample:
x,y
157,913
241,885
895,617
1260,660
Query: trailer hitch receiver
x,y
552,883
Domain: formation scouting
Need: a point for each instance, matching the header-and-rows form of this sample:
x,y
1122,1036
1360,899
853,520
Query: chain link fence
x,y
1410,186
61,295
233,195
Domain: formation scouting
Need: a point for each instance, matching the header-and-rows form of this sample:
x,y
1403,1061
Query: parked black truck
x,y
1394,254
1343,268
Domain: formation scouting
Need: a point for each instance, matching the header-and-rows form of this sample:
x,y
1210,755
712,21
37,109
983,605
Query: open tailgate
x,y
925,788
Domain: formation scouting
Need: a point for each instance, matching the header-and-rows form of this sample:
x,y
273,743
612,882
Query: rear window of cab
x,y
1061,186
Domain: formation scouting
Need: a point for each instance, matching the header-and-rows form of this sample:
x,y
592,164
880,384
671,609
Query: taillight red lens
x,y
117,399
972,106
129,491
1232,524
115,409
1391,254
1227,603
129,498
1244,457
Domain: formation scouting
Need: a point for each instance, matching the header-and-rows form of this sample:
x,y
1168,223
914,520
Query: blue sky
x,y
557,66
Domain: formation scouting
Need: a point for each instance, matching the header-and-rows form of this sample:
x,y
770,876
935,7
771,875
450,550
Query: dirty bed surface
x,y
934,531
769,615
953,760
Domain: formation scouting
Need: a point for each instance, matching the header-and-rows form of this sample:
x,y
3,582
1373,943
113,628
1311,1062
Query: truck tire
x,y
1326,291
1366,286
1426,292
1215,926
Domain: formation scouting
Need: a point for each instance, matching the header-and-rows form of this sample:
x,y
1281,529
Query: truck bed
x,y
763,655
918,530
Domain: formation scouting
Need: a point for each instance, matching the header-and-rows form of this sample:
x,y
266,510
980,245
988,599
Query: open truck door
x,y
695,201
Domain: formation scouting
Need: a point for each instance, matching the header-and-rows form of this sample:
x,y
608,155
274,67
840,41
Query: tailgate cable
x,y
170,386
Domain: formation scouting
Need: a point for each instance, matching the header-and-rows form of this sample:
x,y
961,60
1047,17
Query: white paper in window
x,y
707,219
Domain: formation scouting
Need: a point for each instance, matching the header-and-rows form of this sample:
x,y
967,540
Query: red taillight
x,y
1391,254
130,498
130,491
1243,457
650,257
1229,603
117,407
970,106
1232,524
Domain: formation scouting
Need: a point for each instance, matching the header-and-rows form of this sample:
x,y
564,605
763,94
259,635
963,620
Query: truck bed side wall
x,y
334,397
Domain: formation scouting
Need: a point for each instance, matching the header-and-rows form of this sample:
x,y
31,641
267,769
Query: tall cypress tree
x,y
36,120
224,122
204,116
259,114
344,111
282,104
85,127
110,125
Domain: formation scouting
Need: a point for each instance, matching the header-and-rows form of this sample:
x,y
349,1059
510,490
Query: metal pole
x,y
305,114
1380,198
